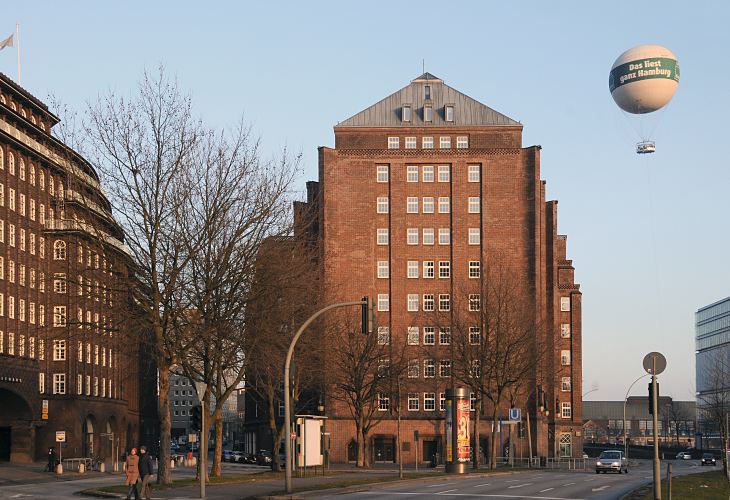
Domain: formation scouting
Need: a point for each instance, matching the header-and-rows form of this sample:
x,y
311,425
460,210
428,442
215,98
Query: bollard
x,y
172,463
82,468
669,476
59,468
102,467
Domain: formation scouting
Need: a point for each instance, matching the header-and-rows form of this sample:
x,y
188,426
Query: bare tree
x,y
287,286
494,336
714,396
144,146
239,201
359,377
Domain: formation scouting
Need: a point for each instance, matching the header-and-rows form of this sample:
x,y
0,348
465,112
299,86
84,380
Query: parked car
x,y
708,459
612,461
235,456
683,455
226,455
263,457
247,458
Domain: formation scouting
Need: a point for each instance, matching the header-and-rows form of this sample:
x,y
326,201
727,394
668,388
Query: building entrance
x,y
383,449
5,435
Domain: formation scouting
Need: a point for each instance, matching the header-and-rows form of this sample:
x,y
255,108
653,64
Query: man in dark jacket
x,y
146,468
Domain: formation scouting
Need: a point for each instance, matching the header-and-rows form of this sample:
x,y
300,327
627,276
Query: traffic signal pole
x,y
203,448
367,316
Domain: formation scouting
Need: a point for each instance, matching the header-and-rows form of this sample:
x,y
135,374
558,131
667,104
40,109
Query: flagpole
x,y
17,44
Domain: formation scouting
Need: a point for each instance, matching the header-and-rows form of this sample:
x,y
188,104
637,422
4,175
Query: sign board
x,y
60,436
449,429
192,438
415,435
44,410
515,415
654,363
293,435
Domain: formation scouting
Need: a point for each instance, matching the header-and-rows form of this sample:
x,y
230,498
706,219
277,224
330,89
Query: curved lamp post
x,y
626,444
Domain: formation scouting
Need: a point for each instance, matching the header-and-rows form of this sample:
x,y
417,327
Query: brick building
x,y
69,357
422,191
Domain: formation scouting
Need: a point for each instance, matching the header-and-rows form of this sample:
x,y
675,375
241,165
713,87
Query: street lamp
x,y
626,444
592,390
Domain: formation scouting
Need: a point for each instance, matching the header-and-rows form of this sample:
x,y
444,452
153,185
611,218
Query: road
x,y
539,484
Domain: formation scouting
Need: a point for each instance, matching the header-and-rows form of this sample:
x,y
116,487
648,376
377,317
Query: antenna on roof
x,y
423,63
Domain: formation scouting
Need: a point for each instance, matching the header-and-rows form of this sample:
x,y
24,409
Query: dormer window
x,y
428,113
406,113
449,113
427,92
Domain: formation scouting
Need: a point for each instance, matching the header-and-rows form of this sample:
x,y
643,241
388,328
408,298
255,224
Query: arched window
x,y
32,174
22,169
51,191
59,250
2,159
42,180
60,189
11,163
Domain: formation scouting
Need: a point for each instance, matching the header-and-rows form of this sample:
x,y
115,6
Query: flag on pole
x,y
8,42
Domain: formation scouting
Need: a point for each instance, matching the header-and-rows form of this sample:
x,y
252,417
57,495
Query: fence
x,y
545,463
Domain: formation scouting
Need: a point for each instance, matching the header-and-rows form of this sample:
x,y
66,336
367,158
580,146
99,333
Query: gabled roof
x,y
468,112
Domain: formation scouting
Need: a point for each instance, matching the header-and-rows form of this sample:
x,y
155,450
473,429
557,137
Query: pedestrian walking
x,y
52,459
131,469
145,472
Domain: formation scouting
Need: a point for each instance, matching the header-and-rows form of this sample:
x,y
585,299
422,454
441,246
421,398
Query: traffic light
x,y
368,316
195,421
651,397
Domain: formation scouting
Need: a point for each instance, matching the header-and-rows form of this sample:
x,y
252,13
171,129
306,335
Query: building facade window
x,y
412,173
383,402
429,368
565,410
474,302
393,142
474,236
413,302
444,302
565,304
444,205
474,205
413,335
449,113
429,335
428,204
383,302
443,173
427,173
380,176
565,358
565,385
411,143
59,383
382,236
445,368
428,269
445,335
428,302
428,236
474,269
412,236
412,205
413,401
412,271
406,113
475,335
428,113
382,205
383,269
565,330
413,368
444,269
462,142
429,401
59,350
383,335
444,236
59,316
427,143
445,142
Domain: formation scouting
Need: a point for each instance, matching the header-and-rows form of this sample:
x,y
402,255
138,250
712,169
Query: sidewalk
x,y
36,473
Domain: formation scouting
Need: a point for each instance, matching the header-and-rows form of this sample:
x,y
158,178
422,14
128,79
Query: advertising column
x,y
457,430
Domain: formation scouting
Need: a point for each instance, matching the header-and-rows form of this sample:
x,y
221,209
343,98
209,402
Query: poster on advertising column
x,y
462,431
449,430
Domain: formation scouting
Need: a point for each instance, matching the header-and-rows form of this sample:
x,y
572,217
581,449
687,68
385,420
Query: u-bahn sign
x,y
60,436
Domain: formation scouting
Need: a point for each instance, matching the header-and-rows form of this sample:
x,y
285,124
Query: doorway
x,y
384,449
430,449
5,436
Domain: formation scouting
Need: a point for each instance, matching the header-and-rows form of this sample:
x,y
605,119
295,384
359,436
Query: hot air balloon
x,y
643,80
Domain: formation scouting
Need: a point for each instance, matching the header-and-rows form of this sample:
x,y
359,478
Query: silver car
x,y
612,460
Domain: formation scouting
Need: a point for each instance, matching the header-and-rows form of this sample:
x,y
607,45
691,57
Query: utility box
x,y
309,440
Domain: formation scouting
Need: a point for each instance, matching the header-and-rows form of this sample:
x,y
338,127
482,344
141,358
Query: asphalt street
x,y
540,484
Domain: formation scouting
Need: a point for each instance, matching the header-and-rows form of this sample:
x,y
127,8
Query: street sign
x,y
192,438
415,435
515,415
44,410
649,360
293,435
60,436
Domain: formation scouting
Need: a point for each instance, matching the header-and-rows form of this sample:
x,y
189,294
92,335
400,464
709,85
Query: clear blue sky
x,y
649,236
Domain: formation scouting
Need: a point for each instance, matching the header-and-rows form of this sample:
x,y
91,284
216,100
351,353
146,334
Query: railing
x,y
563,463
74,463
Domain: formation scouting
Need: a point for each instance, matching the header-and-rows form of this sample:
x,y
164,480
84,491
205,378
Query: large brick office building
x,y
421,192
68,358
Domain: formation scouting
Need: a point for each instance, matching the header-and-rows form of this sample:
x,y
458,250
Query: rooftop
x,y
425,91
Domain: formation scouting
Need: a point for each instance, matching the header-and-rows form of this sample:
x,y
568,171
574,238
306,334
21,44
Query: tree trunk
x,y
493,445
360,443
477,420
164,475
218,453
